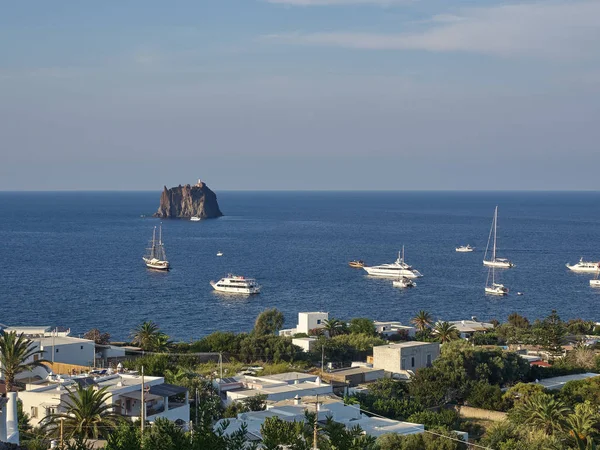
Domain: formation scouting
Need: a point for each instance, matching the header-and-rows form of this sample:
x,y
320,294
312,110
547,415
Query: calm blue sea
x,y
74,259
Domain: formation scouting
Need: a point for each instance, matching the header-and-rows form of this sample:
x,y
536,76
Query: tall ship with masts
x,y
156,257
495,261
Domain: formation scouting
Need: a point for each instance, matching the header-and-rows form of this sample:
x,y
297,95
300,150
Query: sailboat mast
x,y
153,249
160,235
495,229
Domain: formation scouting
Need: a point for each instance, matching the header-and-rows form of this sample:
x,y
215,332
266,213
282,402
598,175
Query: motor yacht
x,y
219,253
404,283
397,269
235,284
584,266
195,219
465,248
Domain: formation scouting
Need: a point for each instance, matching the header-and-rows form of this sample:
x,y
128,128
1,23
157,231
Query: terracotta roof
x,y
540,364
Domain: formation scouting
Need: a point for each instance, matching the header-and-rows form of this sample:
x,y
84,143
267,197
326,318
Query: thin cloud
x,y
548,30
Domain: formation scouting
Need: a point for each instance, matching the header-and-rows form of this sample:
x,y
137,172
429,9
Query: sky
x,y
300,94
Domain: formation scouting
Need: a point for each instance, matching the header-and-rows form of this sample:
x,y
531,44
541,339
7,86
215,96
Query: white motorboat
x,y
395,270
494,261
156,257
465,248
584,266
195,219
219,253
404,283
596,281
235,284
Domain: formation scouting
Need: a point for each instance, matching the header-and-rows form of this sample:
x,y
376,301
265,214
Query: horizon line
x,y
16,191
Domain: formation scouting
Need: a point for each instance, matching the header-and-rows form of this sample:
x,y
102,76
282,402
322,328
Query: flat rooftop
x,y
406,344
559,382
354,370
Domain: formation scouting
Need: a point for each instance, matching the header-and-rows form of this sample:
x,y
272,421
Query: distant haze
x,y
300,94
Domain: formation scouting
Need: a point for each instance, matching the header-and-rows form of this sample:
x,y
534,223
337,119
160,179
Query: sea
x,y
74,259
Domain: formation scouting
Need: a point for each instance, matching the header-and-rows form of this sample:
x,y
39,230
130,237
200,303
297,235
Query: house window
x,y
403,364
82,347
50,410
36,357
412,361
318,321
428,359
34,412
56,350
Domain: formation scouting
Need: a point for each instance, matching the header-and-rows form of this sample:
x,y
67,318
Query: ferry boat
x,y
357,263
404,283
235,284
395,270
465,248
584,266
156,257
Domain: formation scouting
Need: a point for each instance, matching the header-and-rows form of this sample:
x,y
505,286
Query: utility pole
x,y
61,433
315,430
322,359
221,365
142,407
197,407
53,333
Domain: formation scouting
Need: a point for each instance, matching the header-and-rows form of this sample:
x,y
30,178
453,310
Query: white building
x,y
467,328
57,346
405,356
390,328
294,409
275,387
307,321
306,343
124,394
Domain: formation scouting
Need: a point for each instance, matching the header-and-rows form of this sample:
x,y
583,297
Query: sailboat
x,y
493,287
495,262
156,257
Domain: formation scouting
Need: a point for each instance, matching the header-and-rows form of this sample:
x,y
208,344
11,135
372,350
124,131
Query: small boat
x,y
404,282
584,266
234,284
595,282
465,248
195,219
357,263
519,293
495,262
219,253
156,257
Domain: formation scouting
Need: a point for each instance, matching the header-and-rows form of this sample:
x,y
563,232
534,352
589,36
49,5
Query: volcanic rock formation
x,y
188,201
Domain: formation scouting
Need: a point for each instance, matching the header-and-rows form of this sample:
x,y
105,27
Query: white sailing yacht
x,y
494,288
495,262
156,257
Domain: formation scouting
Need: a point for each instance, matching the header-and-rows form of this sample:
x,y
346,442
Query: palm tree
x,y
333,326
15,351
87,413
145,335
581,425
445,332
161,343
422,320
544,412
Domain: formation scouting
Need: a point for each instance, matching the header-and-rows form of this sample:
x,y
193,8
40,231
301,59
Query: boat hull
x,y
401,284
500,264
391,273
464,250
496,291
595,283
235,289
156,264
579,269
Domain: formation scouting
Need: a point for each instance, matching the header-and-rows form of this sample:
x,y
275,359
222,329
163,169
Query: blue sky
x,y
300,94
